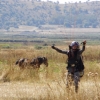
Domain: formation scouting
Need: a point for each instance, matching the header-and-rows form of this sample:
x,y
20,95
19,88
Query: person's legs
x,y
68,79
69,76
76,80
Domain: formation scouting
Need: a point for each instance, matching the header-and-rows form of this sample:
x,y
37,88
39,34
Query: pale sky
x,y
71,1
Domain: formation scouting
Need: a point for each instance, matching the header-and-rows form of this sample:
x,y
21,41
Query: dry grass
x,y
50,90
47,83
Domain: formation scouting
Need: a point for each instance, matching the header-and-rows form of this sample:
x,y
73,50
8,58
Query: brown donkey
x,y
36,62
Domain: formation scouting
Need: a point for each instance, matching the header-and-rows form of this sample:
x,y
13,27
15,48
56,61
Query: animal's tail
x,y
20,60
17,62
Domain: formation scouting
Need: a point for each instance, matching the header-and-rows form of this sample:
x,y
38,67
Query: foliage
x,y
37,13
38,47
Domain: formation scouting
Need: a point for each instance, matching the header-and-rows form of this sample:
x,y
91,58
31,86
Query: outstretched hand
x,y
53,46
84,42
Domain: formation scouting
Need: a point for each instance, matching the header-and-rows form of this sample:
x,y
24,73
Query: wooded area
x,y
36,13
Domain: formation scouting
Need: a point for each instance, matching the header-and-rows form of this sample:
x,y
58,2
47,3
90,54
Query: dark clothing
x,y
74,57
67,52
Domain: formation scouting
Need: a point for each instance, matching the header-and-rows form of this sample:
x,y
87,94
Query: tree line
x,y
36,13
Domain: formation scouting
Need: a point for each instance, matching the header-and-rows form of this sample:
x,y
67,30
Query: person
x,y
75,64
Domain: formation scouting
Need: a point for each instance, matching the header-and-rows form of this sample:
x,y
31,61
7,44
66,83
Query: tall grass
x,y
48,83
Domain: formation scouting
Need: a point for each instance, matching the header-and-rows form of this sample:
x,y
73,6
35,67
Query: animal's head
x,y
45,61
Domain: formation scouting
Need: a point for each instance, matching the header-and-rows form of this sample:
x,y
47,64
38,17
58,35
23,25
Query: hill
x,y
14,13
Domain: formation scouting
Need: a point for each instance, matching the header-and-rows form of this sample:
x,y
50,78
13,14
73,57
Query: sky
x,y
71,1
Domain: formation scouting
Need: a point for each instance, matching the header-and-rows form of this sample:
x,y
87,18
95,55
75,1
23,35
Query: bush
x,y
38,47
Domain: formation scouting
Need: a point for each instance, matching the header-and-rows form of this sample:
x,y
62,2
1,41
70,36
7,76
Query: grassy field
x,y
47,35
47,83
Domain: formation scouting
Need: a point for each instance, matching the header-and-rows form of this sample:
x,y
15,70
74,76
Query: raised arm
x,y
58,50
83,48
